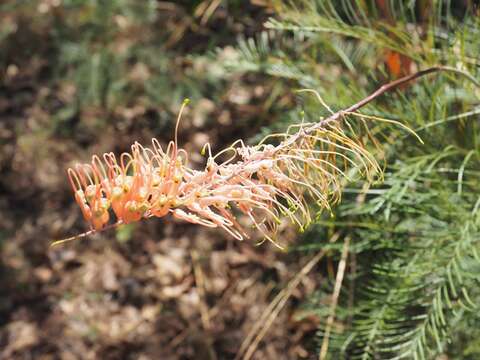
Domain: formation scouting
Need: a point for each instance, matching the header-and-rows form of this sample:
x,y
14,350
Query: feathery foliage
x,y
411,289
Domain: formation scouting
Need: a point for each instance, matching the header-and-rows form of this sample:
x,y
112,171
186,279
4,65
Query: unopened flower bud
x,y
90,192
177,178
177,202
162,200
131,206
117,193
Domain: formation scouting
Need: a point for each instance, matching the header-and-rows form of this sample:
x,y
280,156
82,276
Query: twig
x,y
261,327
206,11
380,91
85,234
351,293
336,293
200,283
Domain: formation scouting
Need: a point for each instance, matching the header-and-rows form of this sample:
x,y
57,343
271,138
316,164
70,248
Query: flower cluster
x,y
308,166
263,182
151,182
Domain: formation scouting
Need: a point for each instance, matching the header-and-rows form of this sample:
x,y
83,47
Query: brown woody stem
x,y
380,91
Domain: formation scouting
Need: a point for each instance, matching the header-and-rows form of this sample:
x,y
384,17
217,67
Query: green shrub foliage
x,y
411,287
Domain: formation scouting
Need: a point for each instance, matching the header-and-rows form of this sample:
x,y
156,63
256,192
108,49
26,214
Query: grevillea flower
x,y
305,166
263,182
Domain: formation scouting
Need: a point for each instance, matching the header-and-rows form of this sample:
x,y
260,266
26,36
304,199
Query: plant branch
x,y
336,293
380,91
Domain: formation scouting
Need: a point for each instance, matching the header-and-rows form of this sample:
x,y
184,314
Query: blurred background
x,y
83,77
79,77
